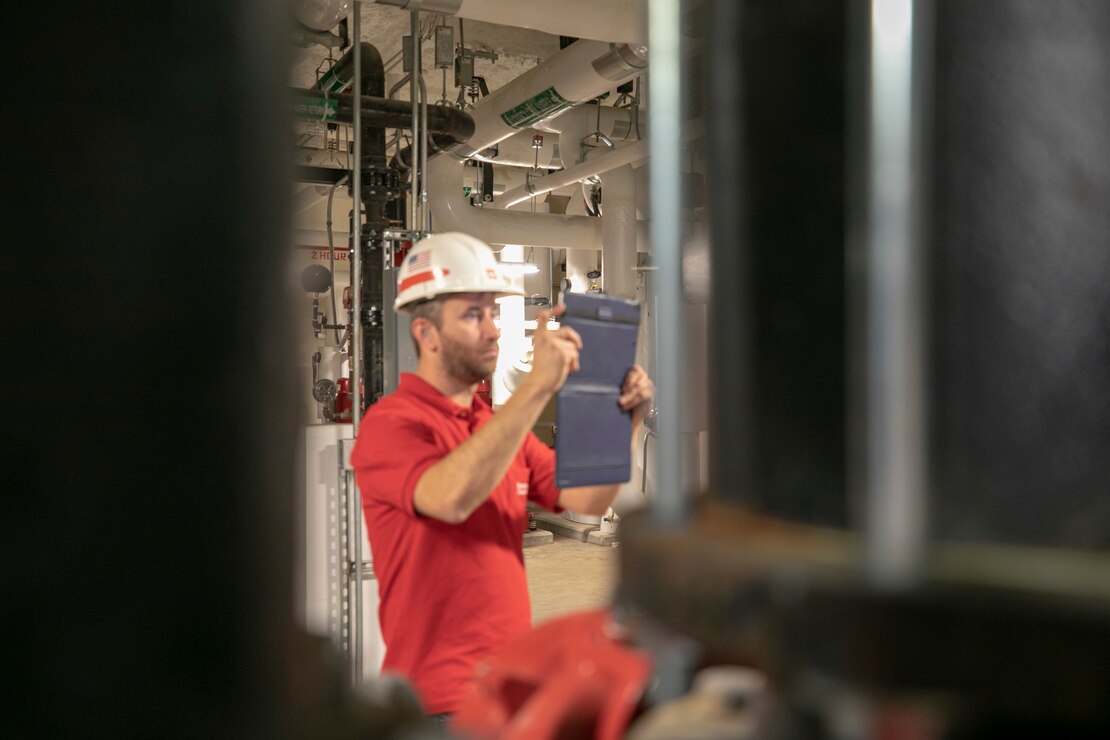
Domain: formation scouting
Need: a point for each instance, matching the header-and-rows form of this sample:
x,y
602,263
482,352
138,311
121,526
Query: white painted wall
x,y
319,577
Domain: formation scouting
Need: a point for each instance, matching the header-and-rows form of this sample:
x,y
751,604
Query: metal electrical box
x,y
445,46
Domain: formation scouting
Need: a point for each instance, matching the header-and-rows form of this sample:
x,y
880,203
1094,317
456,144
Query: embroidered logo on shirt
x,y
521,489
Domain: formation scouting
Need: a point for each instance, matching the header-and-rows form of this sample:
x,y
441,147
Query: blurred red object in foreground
x,y
565,678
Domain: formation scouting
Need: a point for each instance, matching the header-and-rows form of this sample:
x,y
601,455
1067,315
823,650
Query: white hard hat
x,y
451,262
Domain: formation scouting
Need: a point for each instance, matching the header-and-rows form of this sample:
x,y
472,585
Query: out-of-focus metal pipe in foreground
x,y
148,550
884,244
901,57
670,505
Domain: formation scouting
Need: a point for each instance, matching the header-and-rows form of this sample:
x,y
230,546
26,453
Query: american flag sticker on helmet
x,y
420,261
421,277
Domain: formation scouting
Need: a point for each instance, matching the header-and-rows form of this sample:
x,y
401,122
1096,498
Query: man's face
x,y
468,336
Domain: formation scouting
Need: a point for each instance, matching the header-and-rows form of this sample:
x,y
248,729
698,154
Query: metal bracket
x,y
345,447
403,236
390,240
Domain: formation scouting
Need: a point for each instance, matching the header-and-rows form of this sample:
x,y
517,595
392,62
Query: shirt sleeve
x,y
541,466
390,456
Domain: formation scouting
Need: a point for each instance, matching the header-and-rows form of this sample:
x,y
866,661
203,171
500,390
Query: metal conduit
x,y
354,530
417,131
423,161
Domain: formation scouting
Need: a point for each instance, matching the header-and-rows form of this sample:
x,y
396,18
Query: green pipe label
x,y
536,108
332,82
316,109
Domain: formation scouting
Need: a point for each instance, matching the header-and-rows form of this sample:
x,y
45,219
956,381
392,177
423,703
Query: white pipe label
x,y
316,109
536,108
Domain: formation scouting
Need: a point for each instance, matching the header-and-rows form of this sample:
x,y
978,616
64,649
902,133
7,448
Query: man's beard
x,y
466,364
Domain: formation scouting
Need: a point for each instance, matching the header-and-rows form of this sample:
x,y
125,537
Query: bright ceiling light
x,y
518,266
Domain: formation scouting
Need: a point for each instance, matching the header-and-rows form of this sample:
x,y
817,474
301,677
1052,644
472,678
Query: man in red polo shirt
x,y
445,481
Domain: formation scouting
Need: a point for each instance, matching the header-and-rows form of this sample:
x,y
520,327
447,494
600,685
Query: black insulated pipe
x,y
373,134
377,188
379,111
341,75
437,143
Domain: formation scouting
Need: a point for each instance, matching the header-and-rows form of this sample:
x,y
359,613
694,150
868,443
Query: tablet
x,y
593,442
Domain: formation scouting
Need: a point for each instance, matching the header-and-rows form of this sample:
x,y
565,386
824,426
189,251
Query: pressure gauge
x,y
325,390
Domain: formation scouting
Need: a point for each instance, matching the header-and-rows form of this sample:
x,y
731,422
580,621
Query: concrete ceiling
x,y
517,50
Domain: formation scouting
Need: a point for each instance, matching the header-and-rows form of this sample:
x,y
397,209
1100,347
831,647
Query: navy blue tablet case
x,y
592,434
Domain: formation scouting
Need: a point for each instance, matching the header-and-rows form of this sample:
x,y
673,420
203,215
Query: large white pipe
x,y
505,179
576,123
604,20
580,72
618,232
613,159
451,211
519,150
633,153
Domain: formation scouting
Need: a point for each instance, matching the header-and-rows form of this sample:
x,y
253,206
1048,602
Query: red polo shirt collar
x,y
414,386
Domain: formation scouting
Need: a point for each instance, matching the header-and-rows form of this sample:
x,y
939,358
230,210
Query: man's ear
x,y
421,327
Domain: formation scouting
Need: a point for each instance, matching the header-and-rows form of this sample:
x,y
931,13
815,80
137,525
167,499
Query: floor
x,y
568,575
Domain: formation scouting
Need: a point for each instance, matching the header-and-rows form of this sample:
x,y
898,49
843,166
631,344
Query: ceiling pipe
x,y
633,153
610,160
385,113
435,143
342,74
519,151
451,211
615,123
580,72
603,20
